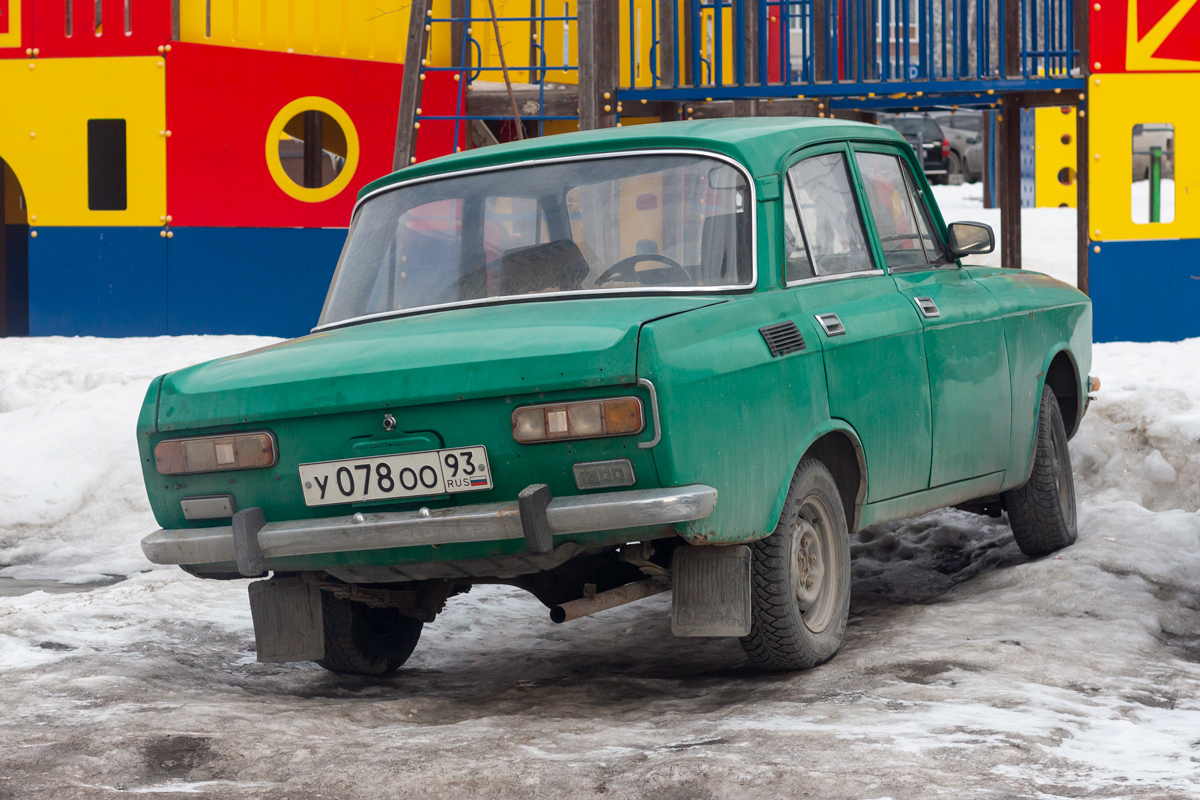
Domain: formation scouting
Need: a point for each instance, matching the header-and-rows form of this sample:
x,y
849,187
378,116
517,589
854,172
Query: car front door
x,y
874,355
964,334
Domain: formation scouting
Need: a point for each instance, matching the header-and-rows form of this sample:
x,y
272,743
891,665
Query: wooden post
x,y
607,26
667,12
313,149
589,93
1008,179
820,34
410,89
750,37
985,126
1083,158
458,9
1012,36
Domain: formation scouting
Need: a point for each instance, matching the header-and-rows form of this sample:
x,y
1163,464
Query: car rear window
x,y
631,223
926,128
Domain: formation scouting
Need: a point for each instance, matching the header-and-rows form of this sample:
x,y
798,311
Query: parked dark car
x,y
963,129
928,139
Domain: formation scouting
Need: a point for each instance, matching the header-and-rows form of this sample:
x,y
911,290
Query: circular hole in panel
x,y
1066,138
1066,176
312,149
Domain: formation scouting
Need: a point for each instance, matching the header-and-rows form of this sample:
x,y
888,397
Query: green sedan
x,y
691,356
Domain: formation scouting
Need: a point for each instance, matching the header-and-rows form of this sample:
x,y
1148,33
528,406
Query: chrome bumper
x,y
478,523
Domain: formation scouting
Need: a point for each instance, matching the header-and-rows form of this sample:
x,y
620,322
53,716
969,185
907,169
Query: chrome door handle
x,y
927,307
831,324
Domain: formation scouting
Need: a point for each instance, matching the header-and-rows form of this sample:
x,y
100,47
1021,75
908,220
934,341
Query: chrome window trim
x,y
738,288
841,276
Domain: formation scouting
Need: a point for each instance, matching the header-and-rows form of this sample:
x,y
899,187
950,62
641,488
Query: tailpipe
x,y
585,606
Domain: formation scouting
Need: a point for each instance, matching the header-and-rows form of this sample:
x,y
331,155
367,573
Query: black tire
x,y
1042,512
956,164
799,612
361,640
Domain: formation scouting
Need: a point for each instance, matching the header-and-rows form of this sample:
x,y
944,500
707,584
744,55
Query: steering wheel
x,y
624,270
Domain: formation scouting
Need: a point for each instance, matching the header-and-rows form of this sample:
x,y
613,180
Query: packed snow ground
x,y
967,670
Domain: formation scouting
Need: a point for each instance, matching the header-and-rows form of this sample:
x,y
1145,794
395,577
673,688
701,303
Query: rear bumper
x,y
476,523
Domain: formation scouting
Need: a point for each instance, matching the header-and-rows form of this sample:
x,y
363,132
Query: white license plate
x,y
430,472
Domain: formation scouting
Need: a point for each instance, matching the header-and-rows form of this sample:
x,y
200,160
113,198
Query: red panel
x,y
1183,42
26,27
220,103
1106,30
1108,26
149,26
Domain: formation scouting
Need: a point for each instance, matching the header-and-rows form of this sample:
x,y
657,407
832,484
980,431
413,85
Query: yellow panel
x,y
43,134
1056,152
1117,102
13,12
365,29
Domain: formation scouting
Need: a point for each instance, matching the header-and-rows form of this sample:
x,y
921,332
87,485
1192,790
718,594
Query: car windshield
x,y
927,128
631,223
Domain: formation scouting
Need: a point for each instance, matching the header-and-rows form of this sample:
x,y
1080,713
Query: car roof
x,y
759,143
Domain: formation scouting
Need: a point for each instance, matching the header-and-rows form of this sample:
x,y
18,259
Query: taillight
x,y
590,419
216,453
945,148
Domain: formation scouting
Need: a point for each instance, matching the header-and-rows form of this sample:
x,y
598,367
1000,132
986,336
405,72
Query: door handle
x,y
927,307
831,324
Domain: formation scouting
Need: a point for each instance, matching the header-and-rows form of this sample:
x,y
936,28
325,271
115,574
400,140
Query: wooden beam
x,y
667,11
1008,179
608,63
780,107
985,125
1083,223
1011,11
551,102
410,89
820,31
458,10
589,94
1083,158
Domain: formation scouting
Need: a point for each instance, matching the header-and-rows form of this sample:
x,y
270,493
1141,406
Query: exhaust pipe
x,y
586,606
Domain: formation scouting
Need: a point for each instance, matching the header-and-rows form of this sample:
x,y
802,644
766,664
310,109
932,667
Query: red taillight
x,y
945,148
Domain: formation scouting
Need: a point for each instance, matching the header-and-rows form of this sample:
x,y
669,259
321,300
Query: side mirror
x,y
971,239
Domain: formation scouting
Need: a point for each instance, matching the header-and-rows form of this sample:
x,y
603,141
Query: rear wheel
x,y
1042,512
362,640
801,577
956,164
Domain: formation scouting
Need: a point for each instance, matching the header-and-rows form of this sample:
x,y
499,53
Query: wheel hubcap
x,y
815,567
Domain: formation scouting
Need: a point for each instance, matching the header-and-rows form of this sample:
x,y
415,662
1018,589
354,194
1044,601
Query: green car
x,y
691,356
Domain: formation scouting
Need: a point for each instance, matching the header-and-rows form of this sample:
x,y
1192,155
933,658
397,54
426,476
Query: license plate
x,y
430,472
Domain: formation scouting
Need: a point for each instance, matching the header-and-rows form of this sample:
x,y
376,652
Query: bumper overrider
x,y
535,517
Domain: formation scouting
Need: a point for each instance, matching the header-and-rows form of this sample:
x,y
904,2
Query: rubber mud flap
x,y
710,591
288,622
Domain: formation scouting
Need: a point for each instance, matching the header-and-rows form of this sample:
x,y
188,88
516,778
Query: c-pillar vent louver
x,y
782,338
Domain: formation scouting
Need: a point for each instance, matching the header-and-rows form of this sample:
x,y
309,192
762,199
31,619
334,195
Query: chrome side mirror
x,y
971,239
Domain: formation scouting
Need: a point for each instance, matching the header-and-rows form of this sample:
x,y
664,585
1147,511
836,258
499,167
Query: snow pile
x,y
73,501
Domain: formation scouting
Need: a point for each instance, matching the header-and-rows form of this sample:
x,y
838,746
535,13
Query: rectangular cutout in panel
x,y
107,172
1153,191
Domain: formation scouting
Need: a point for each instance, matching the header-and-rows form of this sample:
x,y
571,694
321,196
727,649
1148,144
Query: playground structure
x,y
190,166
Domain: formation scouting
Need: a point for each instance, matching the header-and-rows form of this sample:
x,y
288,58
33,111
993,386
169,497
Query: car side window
x,y
797,265
905,233
829,216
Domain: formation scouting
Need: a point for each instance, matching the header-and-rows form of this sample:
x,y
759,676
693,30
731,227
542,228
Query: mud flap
x,y
288,623
710,591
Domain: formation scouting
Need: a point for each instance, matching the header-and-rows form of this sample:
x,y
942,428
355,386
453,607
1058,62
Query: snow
x,y
967,669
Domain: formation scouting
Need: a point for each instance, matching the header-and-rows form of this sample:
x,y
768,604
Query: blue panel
x,y
269,281
1028,158
1145,291
97,282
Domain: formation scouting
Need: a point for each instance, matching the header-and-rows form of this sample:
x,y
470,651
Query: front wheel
x,y
362,640
1042,512
800,588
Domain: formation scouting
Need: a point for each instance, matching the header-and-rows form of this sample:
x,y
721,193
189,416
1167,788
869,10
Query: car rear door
x,y
873,349
963,332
